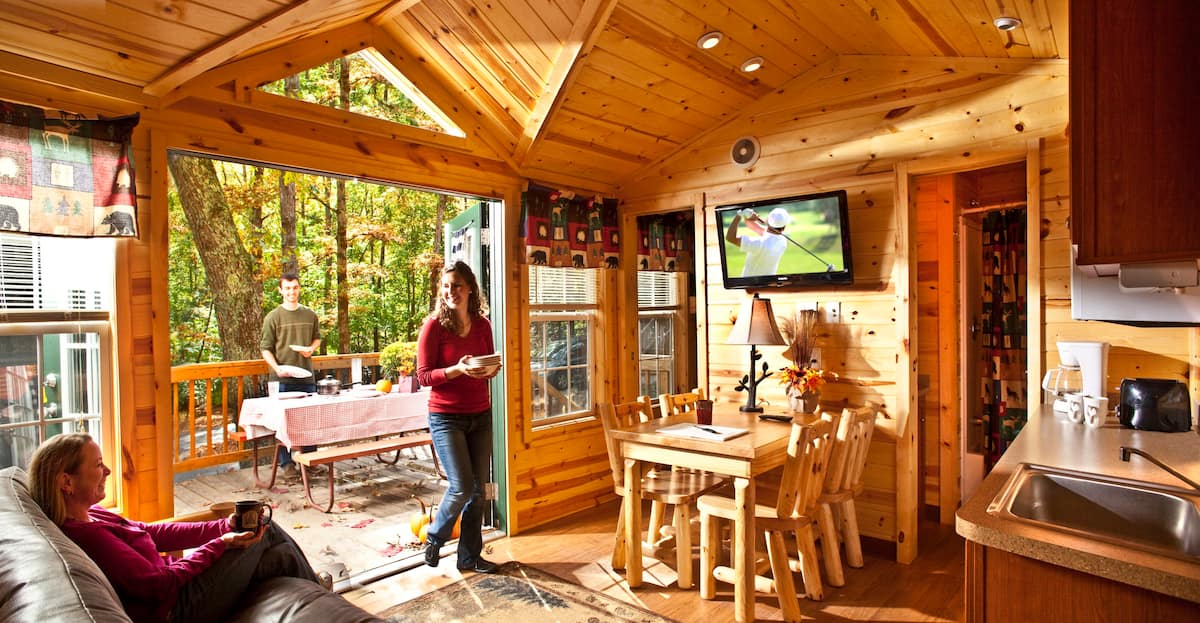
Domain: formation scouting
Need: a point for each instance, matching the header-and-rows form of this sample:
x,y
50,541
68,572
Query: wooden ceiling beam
x,y
579,42
255,34
1016,66
388,12
280,62
59,76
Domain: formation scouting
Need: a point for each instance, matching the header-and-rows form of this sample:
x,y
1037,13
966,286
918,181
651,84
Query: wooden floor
x,y
368,526
578,548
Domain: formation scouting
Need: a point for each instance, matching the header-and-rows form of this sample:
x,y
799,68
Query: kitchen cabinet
x,y
1135,187
1002,586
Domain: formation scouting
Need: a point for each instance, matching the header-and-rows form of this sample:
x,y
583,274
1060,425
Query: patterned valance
x,y
560,228
666,242
66,176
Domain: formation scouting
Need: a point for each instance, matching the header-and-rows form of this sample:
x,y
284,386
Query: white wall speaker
x,y
745,151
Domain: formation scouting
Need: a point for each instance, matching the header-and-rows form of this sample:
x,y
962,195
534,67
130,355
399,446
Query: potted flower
x,y
803,387
398,361
802,380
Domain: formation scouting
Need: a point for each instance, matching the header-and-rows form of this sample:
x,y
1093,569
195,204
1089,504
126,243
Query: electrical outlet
x,y
833,312
489,490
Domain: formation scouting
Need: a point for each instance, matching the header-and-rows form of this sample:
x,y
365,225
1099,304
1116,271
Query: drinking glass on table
x,y
273,388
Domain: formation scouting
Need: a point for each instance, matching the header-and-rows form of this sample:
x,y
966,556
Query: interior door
x,y
970,292
468,238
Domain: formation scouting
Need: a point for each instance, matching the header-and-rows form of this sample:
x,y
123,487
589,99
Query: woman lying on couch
x,y
67,475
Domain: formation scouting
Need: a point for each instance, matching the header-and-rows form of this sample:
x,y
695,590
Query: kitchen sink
x,y
1123,512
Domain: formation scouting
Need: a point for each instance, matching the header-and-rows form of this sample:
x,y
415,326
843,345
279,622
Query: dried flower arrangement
x,y
799,376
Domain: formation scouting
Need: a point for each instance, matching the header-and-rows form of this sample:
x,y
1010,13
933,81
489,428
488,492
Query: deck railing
x,y
207,398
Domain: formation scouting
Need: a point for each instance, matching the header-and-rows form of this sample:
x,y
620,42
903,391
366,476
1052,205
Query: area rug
x,y
519,593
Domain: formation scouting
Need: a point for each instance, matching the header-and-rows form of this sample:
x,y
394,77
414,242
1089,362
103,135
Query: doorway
x,y
956,211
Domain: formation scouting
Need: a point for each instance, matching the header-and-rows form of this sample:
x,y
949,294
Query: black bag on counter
x,y
1155,404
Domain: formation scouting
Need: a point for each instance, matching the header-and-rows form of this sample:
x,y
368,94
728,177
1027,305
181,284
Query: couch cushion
x,y
44,576
298,601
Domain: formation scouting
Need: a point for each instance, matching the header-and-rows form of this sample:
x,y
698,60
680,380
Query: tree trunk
x,y
435,273
232,271
343,283
287,225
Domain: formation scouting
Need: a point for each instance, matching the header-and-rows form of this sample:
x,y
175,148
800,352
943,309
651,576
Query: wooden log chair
x,y
836,517
675,404
662,487
793,510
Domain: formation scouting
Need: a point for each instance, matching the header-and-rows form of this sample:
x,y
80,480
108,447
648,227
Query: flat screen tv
x,y
791,241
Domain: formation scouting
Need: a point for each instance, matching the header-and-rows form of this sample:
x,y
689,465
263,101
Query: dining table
x,y
297,419
761,448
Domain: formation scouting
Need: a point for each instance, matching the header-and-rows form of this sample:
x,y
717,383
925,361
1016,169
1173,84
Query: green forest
x,y
368,254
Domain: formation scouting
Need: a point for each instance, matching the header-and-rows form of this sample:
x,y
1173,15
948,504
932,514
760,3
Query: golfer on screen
x,y
764,250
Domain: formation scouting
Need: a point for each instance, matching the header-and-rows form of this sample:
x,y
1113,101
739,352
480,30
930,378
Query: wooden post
x,y
904,271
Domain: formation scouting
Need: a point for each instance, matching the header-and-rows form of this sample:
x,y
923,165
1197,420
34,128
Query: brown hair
x,y
61,454
476,305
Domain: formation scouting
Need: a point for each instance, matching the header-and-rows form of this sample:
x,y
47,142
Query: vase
x,y
808,402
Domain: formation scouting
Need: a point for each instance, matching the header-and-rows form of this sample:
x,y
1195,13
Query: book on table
x,y
711,432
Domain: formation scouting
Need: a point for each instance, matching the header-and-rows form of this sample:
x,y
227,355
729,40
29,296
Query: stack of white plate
x,y
489,362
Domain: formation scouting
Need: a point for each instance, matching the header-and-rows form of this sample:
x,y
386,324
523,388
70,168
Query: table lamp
x,y
755,326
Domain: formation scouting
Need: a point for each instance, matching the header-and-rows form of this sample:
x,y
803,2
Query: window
x,y
55,374
562,323
658,313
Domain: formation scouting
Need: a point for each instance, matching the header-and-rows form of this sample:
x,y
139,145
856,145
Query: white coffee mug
x,y
272,388
1095,411
1075,407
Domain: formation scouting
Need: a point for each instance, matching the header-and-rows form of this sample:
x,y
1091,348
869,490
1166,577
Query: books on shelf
x,y
711,432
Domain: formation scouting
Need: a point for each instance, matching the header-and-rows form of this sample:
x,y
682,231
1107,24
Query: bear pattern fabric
x,y
66,175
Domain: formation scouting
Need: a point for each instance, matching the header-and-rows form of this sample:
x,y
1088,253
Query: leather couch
x,y
45,577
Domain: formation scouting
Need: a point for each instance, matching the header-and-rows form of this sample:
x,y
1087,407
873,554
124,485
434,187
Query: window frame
x,y
558,312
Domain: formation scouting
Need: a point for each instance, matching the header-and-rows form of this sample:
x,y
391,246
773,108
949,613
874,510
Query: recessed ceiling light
x,y
709,40
752,64
1006,23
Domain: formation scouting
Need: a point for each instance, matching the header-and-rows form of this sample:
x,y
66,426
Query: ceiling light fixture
x,y
709,40
1006,23
752,64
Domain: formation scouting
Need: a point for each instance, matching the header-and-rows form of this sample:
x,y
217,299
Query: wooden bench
x,y
331,454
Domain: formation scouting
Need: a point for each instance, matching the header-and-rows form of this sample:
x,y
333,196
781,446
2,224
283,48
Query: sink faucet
x,y
1126,451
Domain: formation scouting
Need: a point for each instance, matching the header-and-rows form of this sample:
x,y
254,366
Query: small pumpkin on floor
x,y
419,522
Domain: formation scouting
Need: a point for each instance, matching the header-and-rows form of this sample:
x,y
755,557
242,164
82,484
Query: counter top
x,y
1052,440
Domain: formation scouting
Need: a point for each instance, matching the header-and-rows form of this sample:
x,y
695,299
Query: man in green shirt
x,y
290,334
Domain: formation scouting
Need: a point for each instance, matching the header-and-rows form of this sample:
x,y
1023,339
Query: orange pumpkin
x,y
419,522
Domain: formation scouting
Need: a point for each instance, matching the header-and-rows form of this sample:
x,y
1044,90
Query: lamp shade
x,y
756,324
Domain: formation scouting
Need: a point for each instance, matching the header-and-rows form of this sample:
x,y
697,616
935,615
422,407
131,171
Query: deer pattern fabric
x,y
64,175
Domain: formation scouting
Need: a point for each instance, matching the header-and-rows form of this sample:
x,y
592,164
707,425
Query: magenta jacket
x,y
438,349
128,554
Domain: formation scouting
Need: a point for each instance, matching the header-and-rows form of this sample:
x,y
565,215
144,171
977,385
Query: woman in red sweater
x,y
460,412
67,474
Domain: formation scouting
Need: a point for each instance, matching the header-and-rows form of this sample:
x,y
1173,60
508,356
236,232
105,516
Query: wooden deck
x,y
368,525
578,548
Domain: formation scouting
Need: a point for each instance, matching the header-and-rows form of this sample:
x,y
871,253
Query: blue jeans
x,y
213,594
299,385
463,443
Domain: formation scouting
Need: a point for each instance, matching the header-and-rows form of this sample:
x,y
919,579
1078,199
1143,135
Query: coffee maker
x,y
1082,368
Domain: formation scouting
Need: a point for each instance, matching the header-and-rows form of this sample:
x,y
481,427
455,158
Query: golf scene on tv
x,y
802,240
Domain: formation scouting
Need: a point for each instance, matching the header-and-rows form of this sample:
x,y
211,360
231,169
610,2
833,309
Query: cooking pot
x,y
329,386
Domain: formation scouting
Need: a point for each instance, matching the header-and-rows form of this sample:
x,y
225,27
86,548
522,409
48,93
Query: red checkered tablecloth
x,y
321,420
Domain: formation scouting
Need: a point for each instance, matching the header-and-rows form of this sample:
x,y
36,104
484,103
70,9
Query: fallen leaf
x,y
327,524
392,549
299,526
280,490
363,524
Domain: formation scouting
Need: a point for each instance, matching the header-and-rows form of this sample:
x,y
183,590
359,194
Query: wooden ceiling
x,y
593,92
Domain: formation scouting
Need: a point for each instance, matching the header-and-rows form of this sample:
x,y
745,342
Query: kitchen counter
x,y
1052,440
